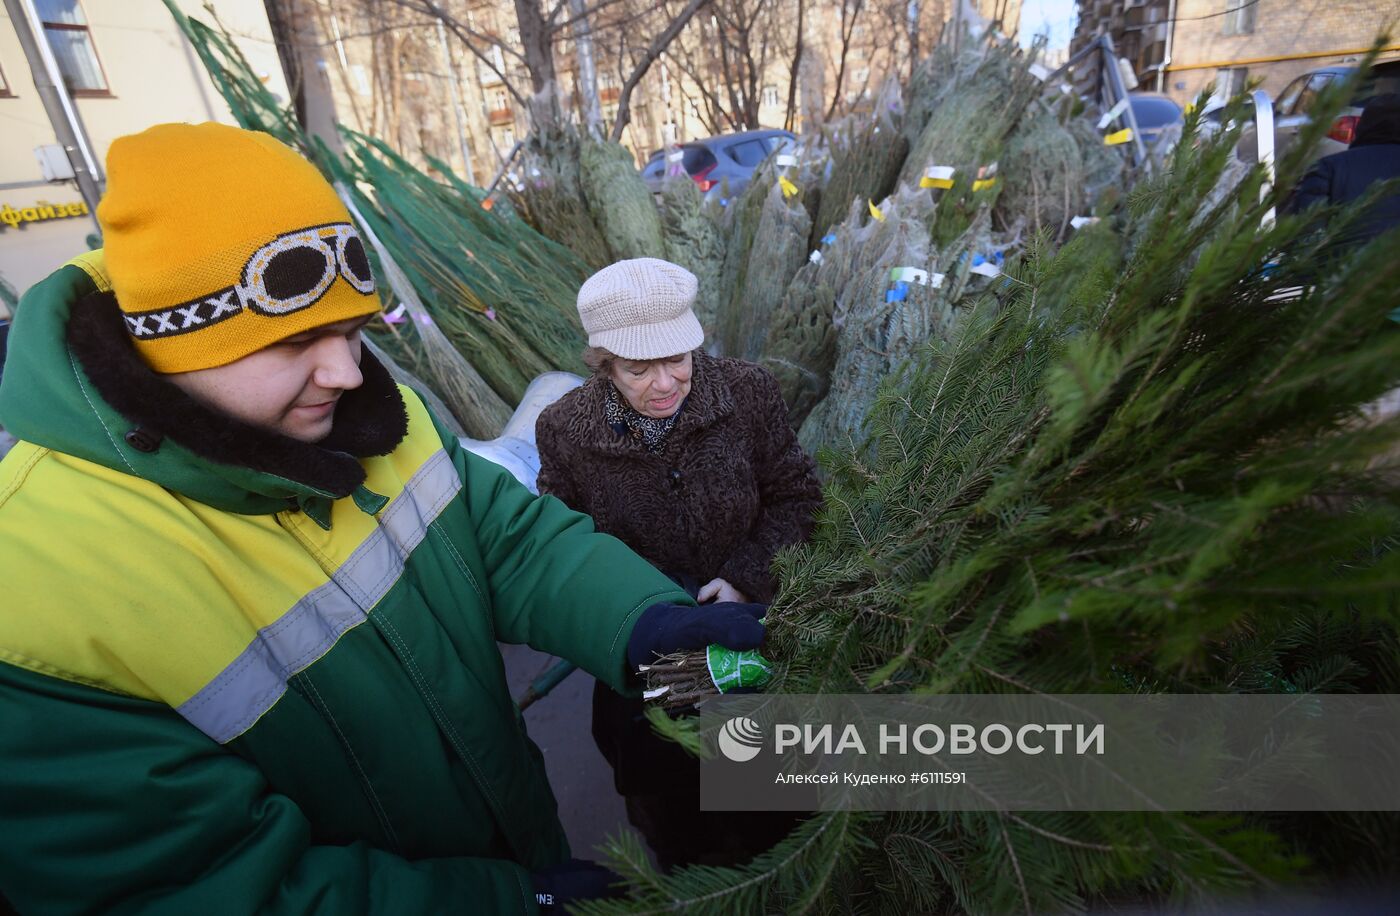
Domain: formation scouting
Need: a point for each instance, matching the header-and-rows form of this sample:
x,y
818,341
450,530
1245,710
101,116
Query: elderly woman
x,y
690,461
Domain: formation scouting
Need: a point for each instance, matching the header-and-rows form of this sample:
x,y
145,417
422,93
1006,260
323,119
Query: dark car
x,y
1291,110
1159,120
727,161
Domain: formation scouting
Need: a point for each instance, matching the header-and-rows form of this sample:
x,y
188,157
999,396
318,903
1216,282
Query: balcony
x,y
1155,33
500,117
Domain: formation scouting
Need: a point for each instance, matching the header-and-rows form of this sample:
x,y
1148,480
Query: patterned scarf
x,y
649,431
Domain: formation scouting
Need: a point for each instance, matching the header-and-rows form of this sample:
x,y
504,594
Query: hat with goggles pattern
x,y
221,241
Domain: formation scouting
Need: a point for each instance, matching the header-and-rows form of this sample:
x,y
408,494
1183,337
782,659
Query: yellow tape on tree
x,y
937,176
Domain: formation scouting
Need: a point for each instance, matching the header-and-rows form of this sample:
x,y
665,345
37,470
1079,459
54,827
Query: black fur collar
x,y
370,420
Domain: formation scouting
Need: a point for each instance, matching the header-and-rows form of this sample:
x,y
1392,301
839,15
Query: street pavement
x,y
559,723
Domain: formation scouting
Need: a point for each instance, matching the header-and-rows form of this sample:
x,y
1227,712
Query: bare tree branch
x,y
796,66
653,51
468,37
584,14
847,29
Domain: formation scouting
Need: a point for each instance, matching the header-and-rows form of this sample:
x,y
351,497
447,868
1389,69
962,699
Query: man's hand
x,y
666,628
719,590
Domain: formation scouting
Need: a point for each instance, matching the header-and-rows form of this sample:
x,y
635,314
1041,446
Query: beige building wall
x,y
1288,38
153,76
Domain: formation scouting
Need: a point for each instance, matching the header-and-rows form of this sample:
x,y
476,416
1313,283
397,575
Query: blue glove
x,y
666,628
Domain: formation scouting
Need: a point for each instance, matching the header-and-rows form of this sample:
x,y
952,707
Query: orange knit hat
x,y
221,241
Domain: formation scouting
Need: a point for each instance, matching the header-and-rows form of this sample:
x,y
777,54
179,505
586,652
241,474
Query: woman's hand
x,y
719,590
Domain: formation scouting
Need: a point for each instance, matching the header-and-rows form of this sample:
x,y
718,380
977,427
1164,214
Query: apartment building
x,y
1181,47
125,65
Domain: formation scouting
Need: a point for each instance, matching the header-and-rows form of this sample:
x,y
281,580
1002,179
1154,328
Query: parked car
x,y
1159,120
719,162
1293,106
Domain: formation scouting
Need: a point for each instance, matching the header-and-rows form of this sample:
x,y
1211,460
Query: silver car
x,y
1293,106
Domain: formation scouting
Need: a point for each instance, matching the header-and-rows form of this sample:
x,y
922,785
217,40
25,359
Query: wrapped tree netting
x,y
801,346
880,319
1044,174
619,201
550,193
1103,165
739,226
695,241
780,250
973,112
867,151
478,409
933,78
756,220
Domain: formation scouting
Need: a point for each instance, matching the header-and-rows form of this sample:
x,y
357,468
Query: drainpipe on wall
x,y
58,105
1167,51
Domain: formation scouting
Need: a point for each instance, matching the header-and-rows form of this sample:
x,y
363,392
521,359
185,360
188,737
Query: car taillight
x,y
700,179
1344,129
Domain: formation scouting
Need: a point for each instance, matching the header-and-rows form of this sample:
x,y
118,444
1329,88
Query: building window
x,y
360,77
1230,81
502,99
1239,16
66,28
770,97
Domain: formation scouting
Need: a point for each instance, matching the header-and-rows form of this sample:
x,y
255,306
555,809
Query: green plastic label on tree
x,y
730,669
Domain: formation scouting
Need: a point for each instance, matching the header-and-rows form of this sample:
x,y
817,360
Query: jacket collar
x,y
709,401
219,460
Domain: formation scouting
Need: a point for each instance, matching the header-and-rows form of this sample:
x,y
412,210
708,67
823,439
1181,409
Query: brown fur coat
x,y
730,487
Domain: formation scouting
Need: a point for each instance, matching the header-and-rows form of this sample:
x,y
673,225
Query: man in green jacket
x,y
253,590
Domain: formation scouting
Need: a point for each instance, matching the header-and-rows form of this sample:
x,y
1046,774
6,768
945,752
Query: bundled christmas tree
x,y
971,112
620,202
507,308
695,241
801,347
1134,465
898,294
549,194
781,249
1050,172
866,153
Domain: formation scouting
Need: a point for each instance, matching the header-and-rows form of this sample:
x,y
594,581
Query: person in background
x,y
689,460
1344,177
253,589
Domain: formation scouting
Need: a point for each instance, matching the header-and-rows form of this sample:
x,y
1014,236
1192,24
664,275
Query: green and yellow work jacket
x,y
226,688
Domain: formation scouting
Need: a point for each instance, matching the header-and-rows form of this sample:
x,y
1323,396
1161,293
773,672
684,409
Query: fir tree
x,y
1142,464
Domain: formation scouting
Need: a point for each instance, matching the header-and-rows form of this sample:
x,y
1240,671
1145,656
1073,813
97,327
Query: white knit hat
x,y
641,309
